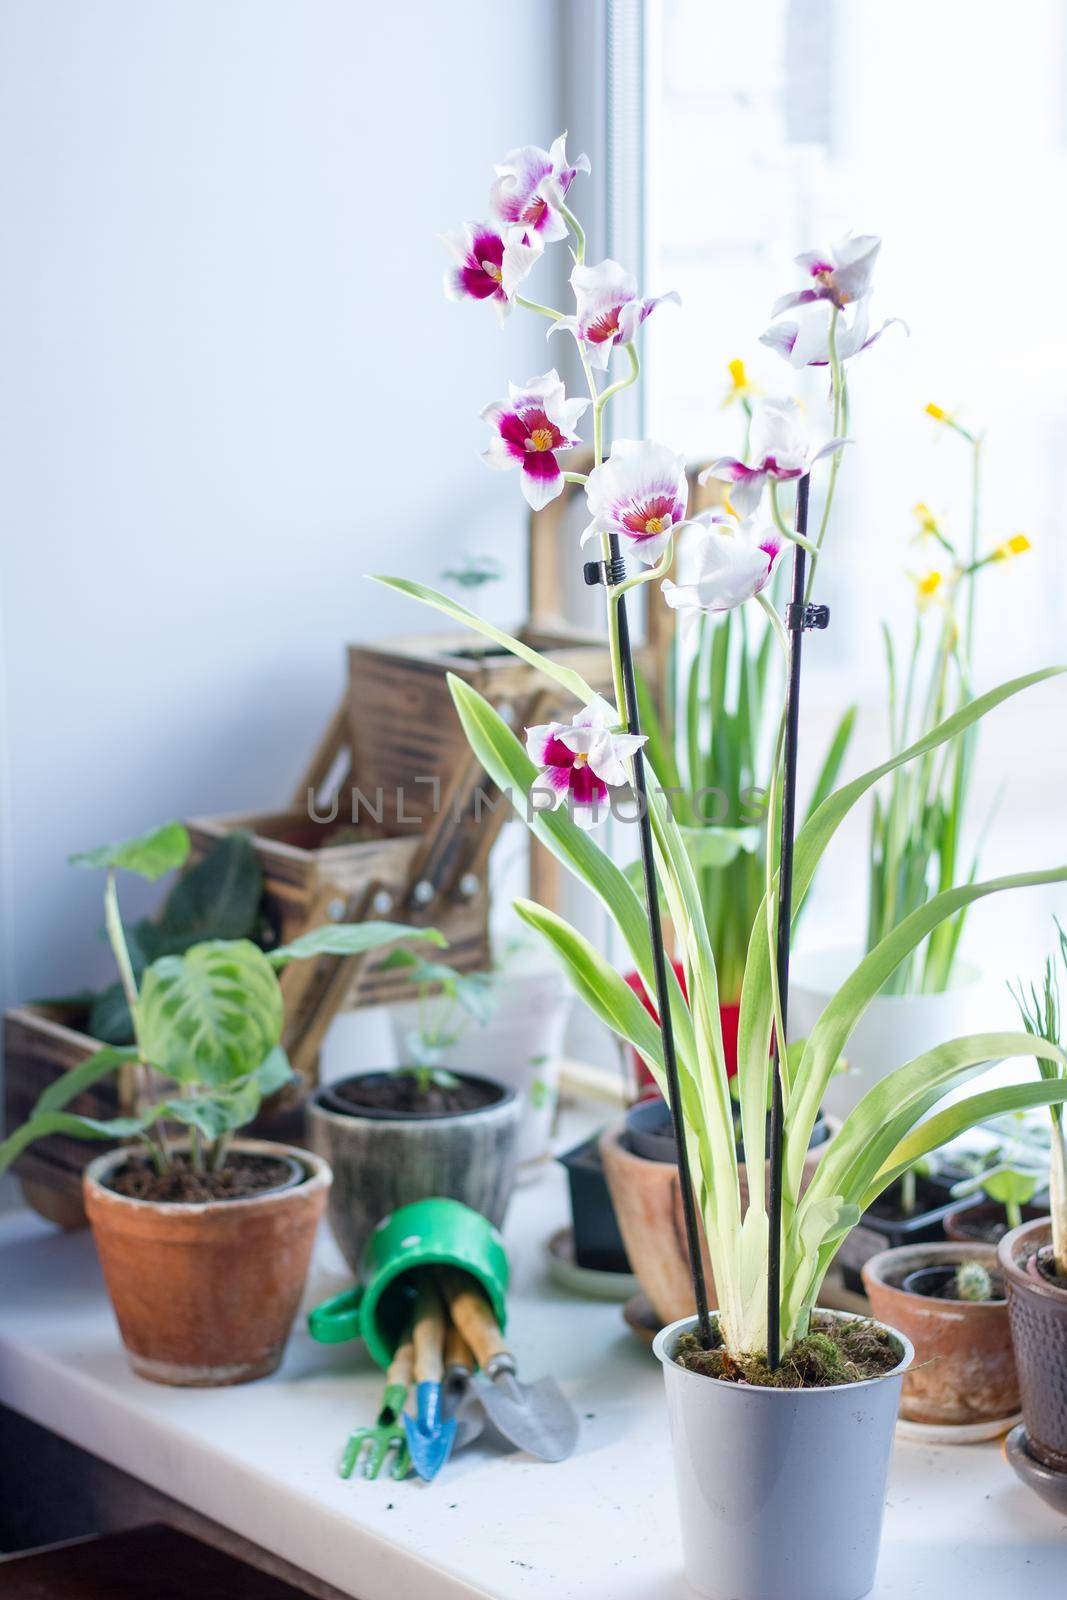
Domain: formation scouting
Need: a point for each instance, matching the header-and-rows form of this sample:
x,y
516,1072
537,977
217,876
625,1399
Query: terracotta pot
x,y
978,1220
964,1366
648,1206
206,1294
1038,1311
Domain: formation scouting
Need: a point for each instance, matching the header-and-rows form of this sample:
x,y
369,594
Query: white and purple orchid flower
x,y
583,760
490,264
610,310
639,493
732,561
781,449
841,275
529,427
806,343
531,187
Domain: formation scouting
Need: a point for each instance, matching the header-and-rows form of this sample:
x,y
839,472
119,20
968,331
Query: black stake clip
x,y
608,573
798,618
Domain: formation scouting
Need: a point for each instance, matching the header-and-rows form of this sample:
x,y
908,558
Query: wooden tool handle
x,y
458,1353
472,1314
429,1334
402,1366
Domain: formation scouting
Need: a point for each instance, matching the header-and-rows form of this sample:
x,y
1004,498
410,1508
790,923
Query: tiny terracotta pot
x,y
964,1369
647,1198
1038,1312
205,1294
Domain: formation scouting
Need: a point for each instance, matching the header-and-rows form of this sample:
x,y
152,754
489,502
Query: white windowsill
x,y
262,1458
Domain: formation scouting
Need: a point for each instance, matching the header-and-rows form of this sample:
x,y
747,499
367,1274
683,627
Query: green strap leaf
x,y
72,1126
566,677
350,939
754,1027
956,1119
101,1064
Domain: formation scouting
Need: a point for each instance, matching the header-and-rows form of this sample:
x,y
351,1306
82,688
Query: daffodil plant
x,y
207,1026
917,830
637,492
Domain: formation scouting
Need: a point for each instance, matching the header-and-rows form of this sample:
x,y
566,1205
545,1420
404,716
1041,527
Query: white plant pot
x,y
780,1491
520,1046
893,1030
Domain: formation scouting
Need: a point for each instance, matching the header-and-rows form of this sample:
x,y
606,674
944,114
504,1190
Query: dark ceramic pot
x,y
1038,1312
382,1162
597,1241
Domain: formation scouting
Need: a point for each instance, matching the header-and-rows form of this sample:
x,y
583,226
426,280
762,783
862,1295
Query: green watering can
x,y
424,1234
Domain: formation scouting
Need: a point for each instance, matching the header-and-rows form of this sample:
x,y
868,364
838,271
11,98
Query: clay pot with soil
x,y
647,1199
984,1221
1037,1307
948,1299
205,1270
395,1137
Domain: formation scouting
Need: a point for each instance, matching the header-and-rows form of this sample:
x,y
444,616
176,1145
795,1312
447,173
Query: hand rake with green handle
x,y
372,1445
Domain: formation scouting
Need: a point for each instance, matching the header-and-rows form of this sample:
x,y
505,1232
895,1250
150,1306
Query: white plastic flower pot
x,y
520,1046
894,1029
780,1491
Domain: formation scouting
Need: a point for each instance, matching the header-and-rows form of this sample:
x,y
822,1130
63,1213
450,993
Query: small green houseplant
x,y
185,1205
568,776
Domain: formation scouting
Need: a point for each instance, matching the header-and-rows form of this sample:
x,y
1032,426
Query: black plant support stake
x,y
798,617
611,572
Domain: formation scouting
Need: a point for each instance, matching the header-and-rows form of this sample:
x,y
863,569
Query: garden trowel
x,y
430,1435
533,1416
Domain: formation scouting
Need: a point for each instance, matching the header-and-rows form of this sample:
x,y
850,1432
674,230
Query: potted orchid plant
x,y
735,1402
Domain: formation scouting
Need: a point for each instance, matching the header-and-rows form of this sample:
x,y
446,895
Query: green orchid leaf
x,y
101,1064
212,1015
715,846
956,1119
350,939
66,1123
149,856
566,677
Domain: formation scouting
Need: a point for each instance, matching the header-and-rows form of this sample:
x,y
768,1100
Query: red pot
x,y
729,1015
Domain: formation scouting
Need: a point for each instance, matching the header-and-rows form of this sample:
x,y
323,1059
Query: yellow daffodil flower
x,y
1017,545
927,587
741,385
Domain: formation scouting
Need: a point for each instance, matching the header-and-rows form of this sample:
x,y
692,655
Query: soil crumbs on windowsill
x,y
832,1353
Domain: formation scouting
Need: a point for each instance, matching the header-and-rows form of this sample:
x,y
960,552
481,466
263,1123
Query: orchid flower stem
x,y
660,570
575,477
576,228
775,621
542,311
783,527
622,383
837,379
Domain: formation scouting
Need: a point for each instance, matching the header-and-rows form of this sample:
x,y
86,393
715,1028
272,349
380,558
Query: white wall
x,y
229,386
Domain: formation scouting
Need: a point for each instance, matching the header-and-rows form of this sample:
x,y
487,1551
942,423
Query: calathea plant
x,y
568,774
206,1025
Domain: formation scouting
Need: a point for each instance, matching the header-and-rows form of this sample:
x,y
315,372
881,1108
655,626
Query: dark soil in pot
x,y
832,1353
1043,1265
984,1221
650,1132
885,1226
243,1176
399,1094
